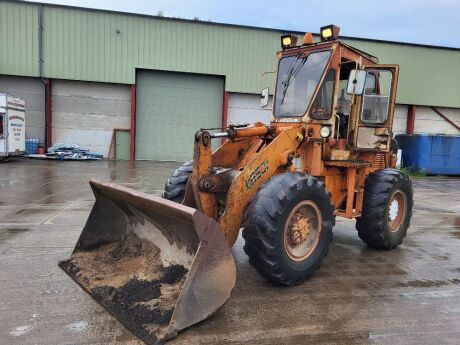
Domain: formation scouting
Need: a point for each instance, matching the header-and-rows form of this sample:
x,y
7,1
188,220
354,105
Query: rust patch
x,y
299,230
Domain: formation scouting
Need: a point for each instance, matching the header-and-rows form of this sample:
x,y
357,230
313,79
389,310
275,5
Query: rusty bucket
x,y
157,266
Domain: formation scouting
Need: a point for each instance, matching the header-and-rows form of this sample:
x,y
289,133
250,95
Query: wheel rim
x,y
396,210
302,230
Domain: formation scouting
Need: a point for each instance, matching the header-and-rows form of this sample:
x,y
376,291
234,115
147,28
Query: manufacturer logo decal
x,y
288,119
256,174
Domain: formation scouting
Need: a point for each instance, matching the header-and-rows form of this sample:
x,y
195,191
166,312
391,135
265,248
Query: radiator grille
x,y
379,161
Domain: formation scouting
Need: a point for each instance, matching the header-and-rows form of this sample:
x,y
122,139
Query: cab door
x,y
375,122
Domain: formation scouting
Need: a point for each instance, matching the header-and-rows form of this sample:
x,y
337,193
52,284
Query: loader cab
x,y
313,87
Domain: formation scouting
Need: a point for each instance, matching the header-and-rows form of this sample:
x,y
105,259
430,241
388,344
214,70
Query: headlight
x,y
329,32
288,41
325,132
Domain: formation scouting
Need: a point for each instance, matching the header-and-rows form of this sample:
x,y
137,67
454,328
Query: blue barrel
x,y
431,154
32,145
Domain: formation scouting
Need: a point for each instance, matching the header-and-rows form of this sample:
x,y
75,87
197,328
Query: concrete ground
x,y
410,295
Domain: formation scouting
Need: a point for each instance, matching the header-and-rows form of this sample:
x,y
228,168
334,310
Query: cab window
x,y
376,96
322,106
298,79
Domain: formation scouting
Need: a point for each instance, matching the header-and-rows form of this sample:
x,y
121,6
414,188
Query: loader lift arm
x,y
261,153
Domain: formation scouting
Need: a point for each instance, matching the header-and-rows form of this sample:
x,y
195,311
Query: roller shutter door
x,y
85,113
170,108
33,91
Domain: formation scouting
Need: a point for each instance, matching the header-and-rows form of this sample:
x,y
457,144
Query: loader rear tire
x,y
177,183
288,227
387,209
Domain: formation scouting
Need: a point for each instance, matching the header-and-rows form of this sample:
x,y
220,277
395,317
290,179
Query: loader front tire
x,y
177,183
387,209
288,227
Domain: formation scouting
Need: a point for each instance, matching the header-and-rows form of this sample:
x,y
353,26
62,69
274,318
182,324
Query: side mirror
x,y
356,82
264,98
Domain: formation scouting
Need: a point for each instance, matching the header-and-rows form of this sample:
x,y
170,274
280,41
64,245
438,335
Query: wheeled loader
x,y
162,264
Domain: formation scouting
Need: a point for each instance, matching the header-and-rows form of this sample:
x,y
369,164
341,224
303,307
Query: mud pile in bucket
x,y
129,279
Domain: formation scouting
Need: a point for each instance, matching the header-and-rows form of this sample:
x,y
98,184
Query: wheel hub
x,y
298,233
302,230
396,210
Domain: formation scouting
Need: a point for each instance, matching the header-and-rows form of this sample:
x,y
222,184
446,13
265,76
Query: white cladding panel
x,y
428,121
245,108
86,113
400,119
32,91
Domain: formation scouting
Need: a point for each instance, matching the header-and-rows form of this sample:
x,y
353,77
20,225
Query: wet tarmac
x,y
410,295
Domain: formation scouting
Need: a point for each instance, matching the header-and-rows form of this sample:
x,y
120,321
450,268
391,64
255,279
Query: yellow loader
x,y
160,265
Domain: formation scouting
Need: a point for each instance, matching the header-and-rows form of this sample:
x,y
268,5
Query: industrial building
x,y
144,84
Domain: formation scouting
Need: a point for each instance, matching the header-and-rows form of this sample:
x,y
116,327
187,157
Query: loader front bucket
x,y
157,266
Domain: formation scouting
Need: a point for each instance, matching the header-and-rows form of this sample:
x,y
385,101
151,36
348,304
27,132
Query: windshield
x,y
298,78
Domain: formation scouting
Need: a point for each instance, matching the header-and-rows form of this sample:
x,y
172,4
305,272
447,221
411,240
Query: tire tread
x,y
260,225
372,226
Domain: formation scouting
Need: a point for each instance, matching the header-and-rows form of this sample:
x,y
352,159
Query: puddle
x,y
77,326
442,257
429,283
21,330
25,211
7,234
428,293
455,234
457,222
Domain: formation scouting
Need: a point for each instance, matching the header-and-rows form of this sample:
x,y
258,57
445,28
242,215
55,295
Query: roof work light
x,y
288,41
330,32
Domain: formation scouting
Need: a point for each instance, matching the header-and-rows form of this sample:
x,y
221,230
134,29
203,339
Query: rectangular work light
x,y
330,32
288,41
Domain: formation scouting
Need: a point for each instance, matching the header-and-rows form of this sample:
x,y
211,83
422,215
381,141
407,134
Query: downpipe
x,y
40,72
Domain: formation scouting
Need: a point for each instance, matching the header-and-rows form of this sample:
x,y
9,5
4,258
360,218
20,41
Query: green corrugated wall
x,y
84,45
18,39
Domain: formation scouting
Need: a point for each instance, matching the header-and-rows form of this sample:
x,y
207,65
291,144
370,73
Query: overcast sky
x,y
433,22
